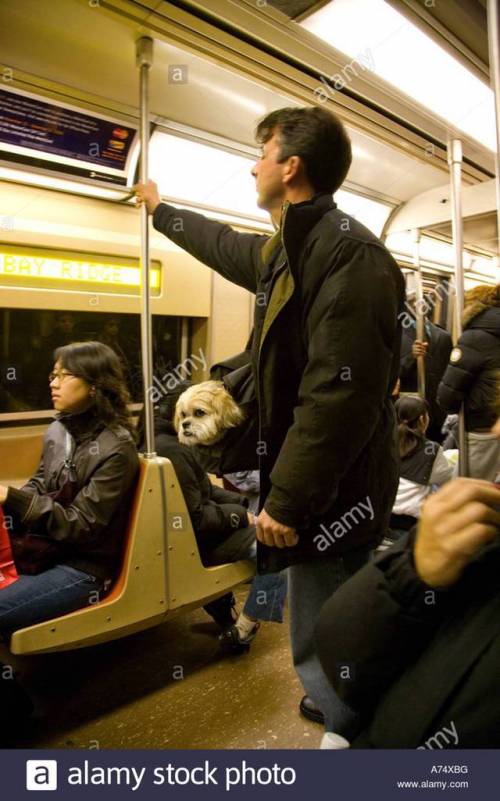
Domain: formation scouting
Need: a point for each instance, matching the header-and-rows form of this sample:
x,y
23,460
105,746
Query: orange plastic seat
x,y
161,573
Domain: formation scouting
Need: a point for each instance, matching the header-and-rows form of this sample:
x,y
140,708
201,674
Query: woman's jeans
x,y
266,599
267,593
55,592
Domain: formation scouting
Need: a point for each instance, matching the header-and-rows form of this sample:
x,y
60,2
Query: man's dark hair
x,y
317,136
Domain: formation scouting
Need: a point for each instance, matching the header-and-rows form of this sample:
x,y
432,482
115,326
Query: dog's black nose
x,y
186,424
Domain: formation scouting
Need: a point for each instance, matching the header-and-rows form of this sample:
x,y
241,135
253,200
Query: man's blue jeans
x,y
53,593
309,587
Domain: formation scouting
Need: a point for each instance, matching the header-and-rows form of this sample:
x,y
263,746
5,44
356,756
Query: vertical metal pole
x,y
419,309
494,48
452,305
455,164
144,61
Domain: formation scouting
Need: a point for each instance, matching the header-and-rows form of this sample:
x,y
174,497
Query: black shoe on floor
x,y
231,640
310,711
222,610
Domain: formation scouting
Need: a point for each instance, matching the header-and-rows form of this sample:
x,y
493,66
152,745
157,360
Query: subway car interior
x,y
144,668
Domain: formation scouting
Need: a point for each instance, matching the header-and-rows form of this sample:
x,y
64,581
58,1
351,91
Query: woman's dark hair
x,y
409,409
317,136
100,367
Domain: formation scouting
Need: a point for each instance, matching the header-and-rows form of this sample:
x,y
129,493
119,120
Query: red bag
x,y
8,572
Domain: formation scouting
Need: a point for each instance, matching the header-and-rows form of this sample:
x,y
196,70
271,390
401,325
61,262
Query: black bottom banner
x,y
346,775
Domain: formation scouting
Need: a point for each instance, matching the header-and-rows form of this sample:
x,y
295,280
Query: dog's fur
x,y
204,413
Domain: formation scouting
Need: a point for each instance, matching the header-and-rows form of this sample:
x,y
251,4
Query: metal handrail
x,y
144,61
419,312
455,164
494,49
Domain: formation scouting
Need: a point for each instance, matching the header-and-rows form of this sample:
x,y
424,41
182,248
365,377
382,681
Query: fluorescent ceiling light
x,y
222,216
203,174
471,280
487,267
368,212
222,180
380,39
430,249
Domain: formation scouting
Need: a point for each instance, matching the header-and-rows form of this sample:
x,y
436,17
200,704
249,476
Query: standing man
x,y
325,356
436,351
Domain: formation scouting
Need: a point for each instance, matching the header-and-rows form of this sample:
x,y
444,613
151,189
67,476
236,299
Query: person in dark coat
x,y
325,357
423,464
222,524
436,352
412,641
69,520
470,378
221,521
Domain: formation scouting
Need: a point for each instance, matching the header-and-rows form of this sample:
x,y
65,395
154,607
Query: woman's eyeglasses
x,y
61,376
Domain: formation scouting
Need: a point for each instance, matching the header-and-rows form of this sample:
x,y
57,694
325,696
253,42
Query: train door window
x,y
30,337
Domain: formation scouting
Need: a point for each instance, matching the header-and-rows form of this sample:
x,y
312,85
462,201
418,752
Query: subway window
x,y
30,337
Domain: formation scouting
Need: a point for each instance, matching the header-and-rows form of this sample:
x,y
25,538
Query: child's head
x,y
413,421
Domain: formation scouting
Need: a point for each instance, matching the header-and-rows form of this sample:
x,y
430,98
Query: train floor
x,y
168,687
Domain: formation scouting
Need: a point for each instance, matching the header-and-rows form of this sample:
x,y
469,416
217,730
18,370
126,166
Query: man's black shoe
x,y
310,711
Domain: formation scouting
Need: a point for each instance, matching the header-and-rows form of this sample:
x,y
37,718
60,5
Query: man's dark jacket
x,y
88,533
472,374
417,661
325,357
436,361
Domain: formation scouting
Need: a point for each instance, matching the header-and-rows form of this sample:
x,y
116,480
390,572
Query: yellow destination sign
x,y
36,271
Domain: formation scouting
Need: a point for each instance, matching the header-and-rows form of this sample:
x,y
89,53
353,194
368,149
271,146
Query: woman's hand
x,y
455,524
3,494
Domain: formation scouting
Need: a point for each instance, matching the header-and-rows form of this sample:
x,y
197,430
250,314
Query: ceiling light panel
x,y
378,38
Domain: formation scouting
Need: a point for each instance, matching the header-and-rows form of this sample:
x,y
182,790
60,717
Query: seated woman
x,y
412,641
423,464
70,518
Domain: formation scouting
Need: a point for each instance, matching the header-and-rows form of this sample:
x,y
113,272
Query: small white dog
x,y
204,413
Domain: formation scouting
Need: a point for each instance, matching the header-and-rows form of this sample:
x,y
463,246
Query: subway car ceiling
x,y
236,62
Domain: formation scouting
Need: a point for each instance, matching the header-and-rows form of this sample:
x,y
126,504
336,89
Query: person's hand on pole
x,y
148,194
419,348
454,525
272,533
